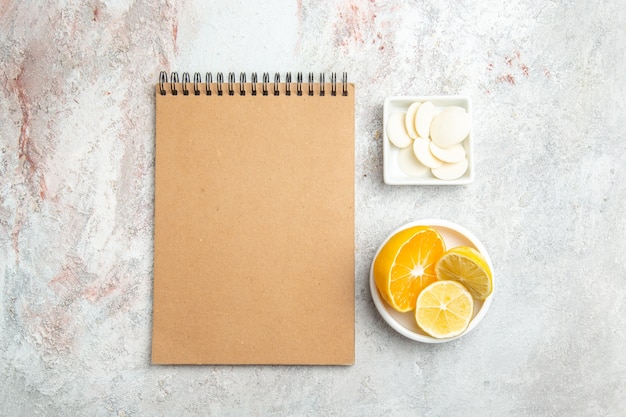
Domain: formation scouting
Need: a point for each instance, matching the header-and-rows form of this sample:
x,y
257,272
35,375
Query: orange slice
x,y
406,264
444,309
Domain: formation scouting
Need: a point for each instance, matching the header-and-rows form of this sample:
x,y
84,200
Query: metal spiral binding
x,y
254,82
231,83
173,83
209,81
176,85
242,84
220,81
266,79
162,81
298,84
276,82
288,84
196,83
185,82
311,81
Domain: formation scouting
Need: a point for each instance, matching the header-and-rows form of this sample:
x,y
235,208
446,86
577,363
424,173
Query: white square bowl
x,y
392,174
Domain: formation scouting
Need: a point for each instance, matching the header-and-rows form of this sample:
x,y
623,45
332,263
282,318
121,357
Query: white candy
x,y
449,128
410,165
409,119
396,130
423,118
421,148
452,154
453,108
451,171
430,140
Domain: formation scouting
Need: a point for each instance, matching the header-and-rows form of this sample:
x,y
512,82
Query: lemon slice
x,y
467,266
444,309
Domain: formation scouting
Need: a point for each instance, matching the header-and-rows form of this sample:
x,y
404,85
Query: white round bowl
x,y
404,323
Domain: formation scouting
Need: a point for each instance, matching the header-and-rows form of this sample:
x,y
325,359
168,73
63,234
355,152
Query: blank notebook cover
x,y
254,221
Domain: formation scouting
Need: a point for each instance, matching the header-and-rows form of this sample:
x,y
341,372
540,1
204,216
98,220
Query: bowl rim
x,y
380,303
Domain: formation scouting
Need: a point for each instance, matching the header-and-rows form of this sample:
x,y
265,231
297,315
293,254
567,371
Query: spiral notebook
x,y
254,220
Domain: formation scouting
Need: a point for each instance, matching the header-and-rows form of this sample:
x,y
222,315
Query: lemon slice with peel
x,y
444,309
467,266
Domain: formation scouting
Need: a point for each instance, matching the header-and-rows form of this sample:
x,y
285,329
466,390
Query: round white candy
x,y
453,108
451,171
423,118
410,165
452,154
409,119
449,128
421,148
396,130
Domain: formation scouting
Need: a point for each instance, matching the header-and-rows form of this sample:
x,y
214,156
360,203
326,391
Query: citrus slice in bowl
x,y
406,264
405,323
469,267
444,309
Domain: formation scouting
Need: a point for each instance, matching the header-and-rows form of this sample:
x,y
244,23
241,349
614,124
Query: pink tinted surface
x,y
547,84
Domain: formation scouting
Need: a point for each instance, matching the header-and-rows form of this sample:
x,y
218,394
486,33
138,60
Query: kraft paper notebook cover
x,y
254,221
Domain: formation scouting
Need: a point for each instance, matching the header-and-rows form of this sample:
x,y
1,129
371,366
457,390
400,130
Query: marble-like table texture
x,y
548,85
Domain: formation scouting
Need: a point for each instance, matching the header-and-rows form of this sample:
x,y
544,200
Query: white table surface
x,y
548,87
